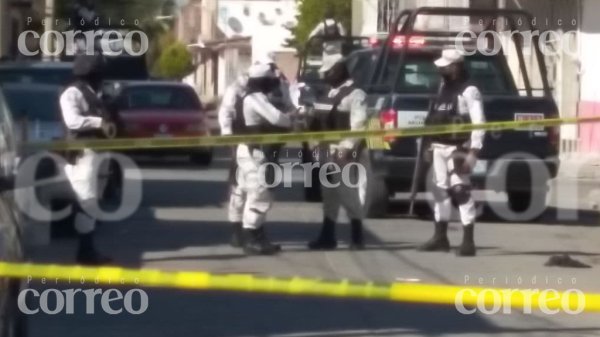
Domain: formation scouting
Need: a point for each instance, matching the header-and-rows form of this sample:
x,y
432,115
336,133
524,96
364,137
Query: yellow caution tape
x,y
209,141
469,297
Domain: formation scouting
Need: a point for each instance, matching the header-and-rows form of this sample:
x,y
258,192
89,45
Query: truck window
x,y
420,75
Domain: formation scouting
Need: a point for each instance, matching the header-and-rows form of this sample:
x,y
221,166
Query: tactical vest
x,y
328,115
446,112
95,108
331,31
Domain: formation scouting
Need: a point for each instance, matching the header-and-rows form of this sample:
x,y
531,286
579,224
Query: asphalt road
x,y
182,225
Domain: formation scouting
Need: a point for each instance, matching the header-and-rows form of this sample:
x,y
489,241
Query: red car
x,y
163,109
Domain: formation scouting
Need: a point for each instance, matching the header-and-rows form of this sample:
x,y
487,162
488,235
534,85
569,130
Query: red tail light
x,y
388,119
373,42
413,42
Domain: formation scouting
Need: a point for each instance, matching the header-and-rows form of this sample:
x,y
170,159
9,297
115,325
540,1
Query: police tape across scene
x,y
462,297
186,142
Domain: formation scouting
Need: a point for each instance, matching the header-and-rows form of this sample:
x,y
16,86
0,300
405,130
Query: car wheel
x,y
529,205
203,159
373,190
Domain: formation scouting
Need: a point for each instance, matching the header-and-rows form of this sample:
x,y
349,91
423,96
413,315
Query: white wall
x,y
262,20
365,22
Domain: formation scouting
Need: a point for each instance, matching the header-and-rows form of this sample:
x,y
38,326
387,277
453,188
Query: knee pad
x,y
461,194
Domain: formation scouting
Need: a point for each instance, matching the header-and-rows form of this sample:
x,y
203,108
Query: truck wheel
x,y
373,191
533,202
203,159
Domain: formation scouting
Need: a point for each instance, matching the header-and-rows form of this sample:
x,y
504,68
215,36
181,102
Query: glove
x,y
109,129
469,162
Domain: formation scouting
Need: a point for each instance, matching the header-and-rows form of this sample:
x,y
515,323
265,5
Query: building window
x,y
387,11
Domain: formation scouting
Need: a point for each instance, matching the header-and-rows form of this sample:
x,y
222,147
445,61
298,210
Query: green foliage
x,y
175,62
312,12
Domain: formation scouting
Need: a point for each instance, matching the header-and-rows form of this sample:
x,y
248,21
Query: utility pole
x,y
49,26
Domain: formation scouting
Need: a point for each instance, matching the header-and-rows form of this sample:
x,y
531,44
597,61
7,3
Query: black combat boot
x,y
257,243
237,235
326,239
467,248
358,242
439,242
87,253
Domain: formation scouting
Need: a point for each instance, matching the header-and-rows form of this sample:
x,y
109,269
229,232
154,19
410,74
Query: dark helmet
x,y
88,65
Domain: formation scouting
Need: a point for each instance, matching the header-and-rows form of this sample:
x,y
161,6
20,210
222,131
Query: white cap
x,y
259,70
329,61
449,56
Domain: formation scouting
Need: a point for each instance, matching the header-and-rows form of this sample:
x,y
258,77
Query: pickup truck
x,y
403,82
13,323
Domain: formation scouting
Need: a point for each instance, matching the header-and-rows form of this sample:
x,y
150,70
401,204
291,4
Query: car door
x,y
12,322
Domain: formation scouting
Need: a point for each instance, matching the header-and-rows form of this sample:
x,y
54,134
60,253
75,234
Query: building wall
x,y
368,16
189,22
590,73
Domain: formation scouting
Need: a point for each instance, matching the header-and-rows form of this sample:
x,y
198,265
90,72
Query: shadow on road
x,y
183,313
552,216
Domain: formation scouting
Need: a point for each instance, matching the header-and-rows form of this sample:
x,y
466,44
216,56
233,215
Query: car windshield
x,y
45,106
159,98
420,75
361,64
57,76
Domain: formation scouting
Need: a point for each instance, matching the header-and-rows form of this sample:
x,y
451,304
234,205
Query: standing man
x,y
83,116
330,31
231,121
455,155
343,109
329,28
260,117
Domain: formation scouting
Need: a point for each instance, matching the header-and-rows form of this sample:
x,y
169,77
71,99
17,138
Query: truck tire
x,y
375,193
532,200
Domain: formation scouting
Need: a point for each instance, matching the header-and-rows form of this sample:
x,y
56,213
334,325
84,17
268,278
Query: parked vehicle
x,y
117,68
159,109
